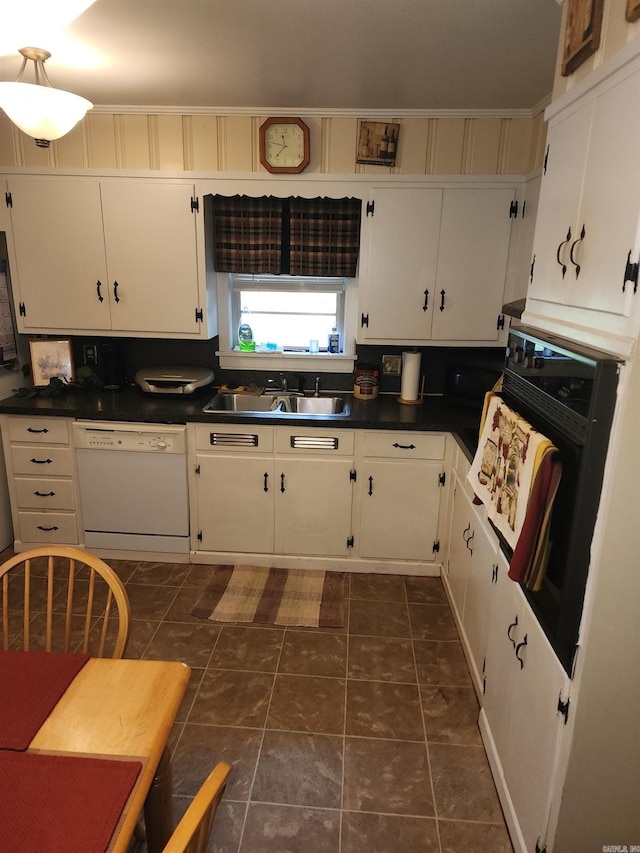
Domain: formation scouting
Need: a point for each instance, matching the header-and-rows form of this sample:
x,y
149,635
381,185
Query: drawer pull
x,y
42,461
44,494
518,647
404,446
510,628
47,529
31,429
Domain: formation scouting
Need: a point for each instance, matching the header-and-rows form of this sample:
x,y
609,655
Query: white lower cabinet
x,y
522,718
41,478
367,497
520,683
400,487
271,490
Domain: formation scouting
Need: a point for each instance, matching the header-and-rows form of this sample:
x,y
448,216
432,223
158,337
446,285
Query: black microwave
x,y
468,378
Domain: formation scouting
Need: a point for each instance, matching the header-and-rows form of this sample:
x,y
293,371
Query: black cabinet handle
x,y
465,531
442,292
404,446
563,243
48,529
510,628
266,482
36,431
282,482
44,494
630,274
470,539
518,647
42,461
573,246
115,291
100,296
370,486
426,300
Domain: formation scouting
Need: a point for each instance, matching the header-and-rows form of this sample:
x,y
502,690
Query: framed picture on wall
x,y
51,360
582,33
378,143
633,10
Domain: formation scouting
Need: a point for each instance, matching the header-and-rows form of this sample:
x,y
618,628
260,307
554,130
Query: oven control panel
x,y
137,438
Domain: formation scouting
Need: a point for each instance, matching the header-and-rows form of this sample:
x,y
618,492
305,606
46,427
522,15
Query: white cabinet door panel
x,y
60,266
472,264
402,258
150,235
235,511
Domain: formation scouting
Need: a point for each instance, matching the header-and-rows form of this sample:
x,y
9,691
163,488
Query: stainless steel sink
x,y
281,405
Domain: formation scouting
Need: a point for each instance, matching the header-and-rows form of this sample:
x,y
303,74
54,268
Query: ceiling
x,y
352,55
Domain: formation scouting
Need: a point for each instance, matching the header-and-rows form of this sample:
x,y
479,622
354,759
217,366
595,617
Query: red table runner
x,y
61,803
31,684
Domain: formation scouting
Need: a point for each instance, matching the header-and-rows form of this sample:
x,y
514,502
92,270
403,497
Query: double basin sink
x,y
278,405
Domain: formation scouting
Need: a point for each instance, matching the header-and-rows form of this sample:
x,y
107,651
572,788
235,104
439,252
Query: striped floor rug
x,y
294,597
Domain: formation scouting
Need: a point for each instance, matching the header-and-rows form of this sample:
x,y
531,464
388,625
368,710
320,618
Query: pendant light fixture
x,y
37,108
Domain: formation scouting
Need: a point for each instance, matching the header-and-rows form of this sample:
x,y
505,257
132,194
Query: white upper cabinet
x,y
436,264
109,256
584,271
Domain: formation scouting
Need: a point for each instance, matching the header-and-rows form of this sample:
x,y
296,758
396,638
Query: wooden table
x,y
124,708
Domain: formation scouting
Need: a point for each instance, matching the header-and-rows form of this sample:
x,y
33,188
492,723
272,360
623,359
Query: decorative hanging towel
x,y
515,474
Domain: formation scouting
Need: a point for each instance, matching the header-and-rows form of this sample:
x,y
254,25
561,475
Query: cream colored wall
x,y
616,32
442,145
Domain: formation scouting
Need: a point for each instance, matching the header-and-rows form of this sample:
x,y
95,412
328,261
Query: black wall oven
x,y
568,393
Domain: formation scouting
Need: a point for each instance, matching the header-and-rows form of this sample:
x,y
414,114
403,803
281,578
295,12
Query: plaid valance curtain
x,y
324,236
247,234
298,236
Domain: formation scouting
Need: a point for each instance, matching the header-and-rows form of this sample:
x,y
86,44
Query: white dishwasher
x,y
133,485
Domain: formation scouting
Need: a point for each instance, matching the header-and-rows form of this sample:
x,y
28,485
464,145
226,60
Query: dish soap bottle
x,y
245,338
334,341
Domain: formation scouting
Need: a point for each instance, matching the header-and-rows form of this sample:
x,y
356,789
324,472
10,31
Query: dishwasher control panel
x,y
137,438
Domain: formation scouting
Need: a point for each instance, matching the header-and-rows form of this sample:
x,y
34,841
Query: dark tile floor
x,y
362,739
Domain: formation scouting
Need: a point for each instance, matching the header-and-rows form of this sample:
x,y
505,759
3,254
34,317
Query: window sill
x,y
323,362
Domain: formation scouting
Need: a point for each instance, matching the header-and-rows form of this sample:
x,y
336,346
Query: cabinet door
x,y
610,209
400,504
313,506
559,205
483,545
59,262
472,263
457,567
150,234
235,496
524,681
398,296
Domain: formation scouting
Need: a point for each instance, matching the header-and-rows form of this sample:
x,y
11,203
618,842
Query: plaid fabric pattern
x,y
247,234
325,236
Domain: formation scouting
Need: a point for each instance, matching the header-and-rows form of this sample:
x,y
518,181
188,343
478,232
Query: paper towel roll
x,y
410,376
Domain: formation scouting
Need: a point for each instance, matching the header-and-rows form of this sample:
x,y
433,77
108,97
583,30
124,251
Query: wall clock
x,y
284,145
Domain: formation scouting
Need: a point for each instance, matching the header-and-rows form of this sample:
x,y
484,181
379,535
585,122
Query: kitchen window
x,y
287,268
286,313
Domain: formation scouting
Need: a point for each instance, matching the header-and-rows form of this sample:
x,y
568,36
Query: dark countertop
x,y
131,405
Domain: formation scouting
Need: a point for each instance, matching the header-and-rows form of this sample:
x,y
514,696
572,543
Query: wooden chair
x,y
62,599
192,834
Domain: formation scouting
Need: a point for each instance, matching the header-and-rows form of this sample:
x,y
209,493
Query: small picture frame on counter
x,y
51,359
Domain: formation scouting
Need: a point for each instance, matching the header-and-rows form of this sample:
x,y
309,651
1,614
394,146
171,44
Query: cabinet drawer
x,y
42,493
301,440
236,437
42,461
404,445
38,430
48,527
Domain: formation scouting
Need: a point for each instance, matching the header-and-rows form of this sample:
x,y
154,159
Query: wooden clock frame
x,y
284,170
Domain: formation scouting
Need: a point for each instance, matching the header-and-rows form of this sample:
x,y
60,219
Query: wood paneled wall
x,y
478,144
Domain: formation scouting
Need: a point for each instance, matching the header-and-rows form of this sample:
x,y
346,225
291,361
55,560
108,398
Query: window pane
x,y
289,319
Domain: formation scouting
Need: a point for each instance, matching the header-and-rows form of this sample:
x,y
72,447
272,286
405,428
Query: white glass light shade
x,y
42,112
